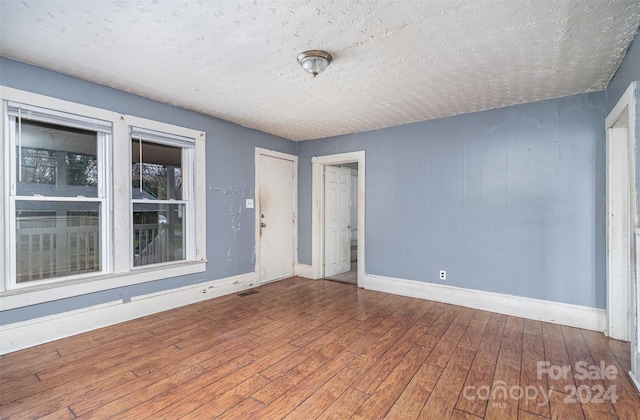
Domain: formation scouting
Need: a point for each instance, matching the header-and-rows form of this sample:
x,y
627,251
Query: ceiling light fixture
x,y
314,61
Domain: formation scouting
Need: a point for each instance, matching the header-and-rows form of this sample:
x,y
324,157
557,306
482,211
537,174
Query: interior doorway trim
x,y
623,213
317,218
280,155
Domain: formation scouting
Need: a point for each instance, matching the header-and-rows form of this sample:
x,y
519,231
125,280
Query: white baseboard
x,y
542,310
25,334
304,270
42,330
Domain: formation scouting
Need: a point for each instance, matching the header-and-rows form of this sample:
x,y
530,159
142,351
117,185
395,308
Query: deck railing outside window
x,y
50,247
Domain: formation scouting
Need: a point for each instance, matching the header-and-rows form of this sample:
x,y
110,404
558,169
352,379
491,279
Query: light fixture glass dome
x,y
314,61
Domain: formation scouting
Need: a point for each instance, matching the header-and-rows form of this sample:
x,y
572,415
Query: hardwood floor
x,y
303,349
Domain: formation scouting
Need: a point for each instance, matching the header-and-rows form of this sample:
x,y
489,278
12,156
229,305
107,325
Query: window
x,y
160,196
56,194
72,174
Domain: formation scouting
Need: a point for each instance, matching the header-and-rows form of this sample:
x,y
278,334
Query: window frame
x,y
187,155
103,138
117,266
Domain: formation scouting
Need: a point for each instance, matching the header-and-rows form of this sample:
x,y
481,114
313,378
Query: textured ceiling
x,y
394,62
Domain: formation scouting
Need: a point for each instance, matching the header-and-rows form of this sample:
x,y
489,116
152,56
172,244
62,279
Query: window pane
x,y
161,170
56,239
158,233
56,161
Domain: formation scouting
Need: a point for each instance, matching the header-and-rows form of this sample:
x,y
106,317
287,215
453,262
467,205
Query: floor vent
x,y
247,293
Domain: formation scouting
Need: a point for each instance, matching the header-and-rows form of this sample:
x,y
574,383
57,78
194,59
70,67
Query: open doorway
x,y
341,222
339,240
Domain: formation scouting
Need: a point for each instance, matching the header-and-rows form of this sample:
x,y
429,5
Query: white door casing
x,y
317,217
622,270
353,214
276,214
619,231
353,205
337,224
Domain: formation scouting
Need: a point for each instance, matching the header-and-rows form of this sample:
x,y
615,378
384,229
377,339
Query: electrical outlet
x,y
443,275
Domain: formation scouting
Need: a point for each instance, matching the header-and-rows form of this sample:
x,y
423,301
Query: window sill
x,y
27,296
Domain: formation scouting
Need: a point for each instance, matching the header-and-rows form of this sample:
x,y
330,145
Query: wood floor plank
x,y
477,386
219,381
532,382
185,360
174,399
38,405
453,376
390,389
345,406
622,352
525,415
437,407
301,349
496,324
619,388
532,327
247,409
596,342
48,389
415,395
16,368
514,327
282,384
320,326
440,326
432,314
462,415
561,410
139,394
470,340
379,370
587,388
365,360
448,342
294,396
62,414
556,355
221,403
506,380
320,400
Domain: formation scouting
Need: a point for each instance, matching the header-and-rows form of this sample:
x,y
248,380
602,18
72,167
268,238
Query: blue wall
x,y
628,72
509,200
230,152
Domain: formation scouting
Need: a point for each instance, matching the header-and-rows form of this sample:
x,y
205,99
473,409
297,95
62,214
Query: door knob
x,y
263,225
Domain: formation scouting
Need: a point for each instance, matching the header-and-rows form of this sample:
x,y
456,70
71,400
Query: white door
x,y
337,251
276,207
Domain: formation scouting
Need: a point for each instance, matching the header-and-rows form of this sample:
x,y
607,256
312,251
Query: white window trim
x,y
103,136
187,146
118,255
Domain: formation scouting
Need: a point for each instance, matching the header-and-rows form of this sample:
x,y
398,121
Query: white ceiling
x,y
395,62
